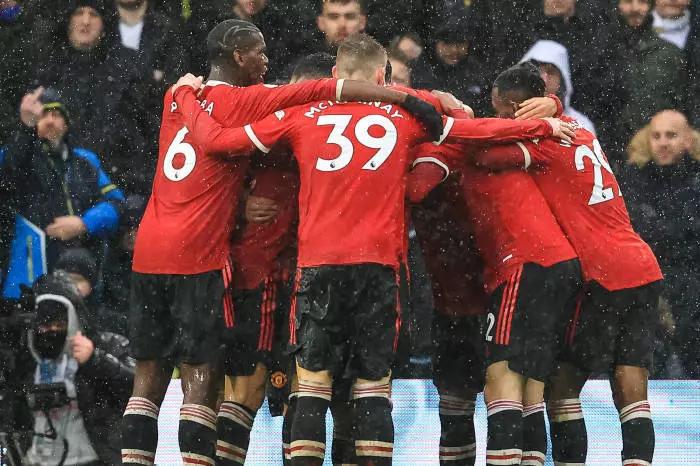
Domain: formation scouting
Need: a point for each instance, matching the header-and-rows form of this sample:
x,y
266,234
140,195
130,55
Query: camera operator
x,y
90,371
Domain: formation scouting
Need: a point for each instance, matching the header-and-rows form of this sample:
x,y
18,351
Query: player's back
x,y
353,159
585,197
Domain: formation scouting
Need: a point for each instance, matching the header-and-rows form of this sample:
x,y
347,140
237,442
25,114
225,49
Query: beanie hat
x,y
79,261
51,100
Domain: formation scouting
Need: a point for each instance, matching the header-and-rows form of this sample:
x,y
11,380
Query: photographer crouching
x,y
79,382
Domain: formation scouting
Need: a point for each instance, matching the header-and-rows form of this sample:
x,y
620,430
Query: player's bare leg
x,y
308,438
504,402
243,396
197,430
457,435
140,422
534,427
629,386
567,426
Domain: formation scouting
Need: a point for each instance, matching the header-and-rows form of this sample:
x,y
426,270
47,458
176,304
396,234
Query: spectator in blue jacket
x,y
59,187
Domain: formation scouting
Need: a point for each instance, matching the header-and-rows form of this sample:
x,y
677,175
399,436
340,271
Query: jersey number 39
x,y
384,145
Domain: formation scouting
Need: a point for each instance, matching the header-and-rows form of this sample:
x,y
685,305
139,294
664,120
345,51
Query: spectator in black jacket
x,y
643,75
106,91
574,24
447,65
53,183
154,36
662,185
94,367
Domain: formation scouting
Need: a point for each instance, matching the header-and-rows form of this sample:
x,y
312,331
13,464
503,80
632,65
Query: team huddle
x,y
271,259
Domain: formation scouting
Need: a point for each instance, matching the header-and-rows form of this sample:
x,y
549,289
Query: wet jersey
x,y
582,192
187,224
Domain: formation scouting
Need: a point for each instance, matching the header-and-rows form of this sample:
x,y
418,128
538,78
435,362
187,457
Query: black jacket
x,y
41,186
664,205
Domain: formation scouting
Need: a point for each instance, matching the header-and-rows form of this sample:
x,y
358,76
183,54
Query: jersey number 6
x,y
384,145
178,146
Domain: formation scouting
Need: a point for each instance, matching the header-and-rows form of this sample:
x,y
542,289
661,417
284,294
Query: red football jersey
x,y
451,257
187,225
348,203
257,247
510,218
581,189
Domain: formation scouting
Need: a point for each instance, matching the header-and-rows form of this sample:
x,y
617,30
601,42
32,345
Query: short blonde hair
x,y
360,53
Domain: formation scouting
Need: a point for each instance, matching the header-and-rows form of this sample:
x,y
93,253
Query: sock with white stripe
x,y
505,433
233,426
343,447
457,436
308,440
139,431
568,432
534,436
197,435
374,443
637,434
287,428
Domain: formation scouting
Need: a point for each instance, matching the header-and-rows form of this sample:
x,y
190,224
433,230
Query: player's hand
x,y
426,114
451,104
537,107
195,82
81,348
66,228
31,108
260,209
561,129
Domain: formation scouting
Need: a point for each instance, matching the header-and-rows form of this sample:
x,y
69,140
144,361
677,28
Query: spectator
x,y
55,184
447,65
154,36
552,58
338,19
95,368
645,75
409,44
106,91
672,21
400,68
280,24
573,24
662,185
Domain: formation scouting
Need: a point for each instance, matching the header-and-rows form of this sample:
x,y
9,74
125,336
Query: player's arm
x,y
497,130
271,99
207,133
430,168
506,156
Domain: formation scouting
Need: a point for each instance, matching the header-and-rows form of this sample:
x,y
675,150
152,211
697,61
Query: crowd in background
x,y
81,86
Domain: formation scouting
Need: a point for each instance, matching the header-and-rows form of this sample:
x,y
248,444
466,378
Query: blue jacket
x,y
42,186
